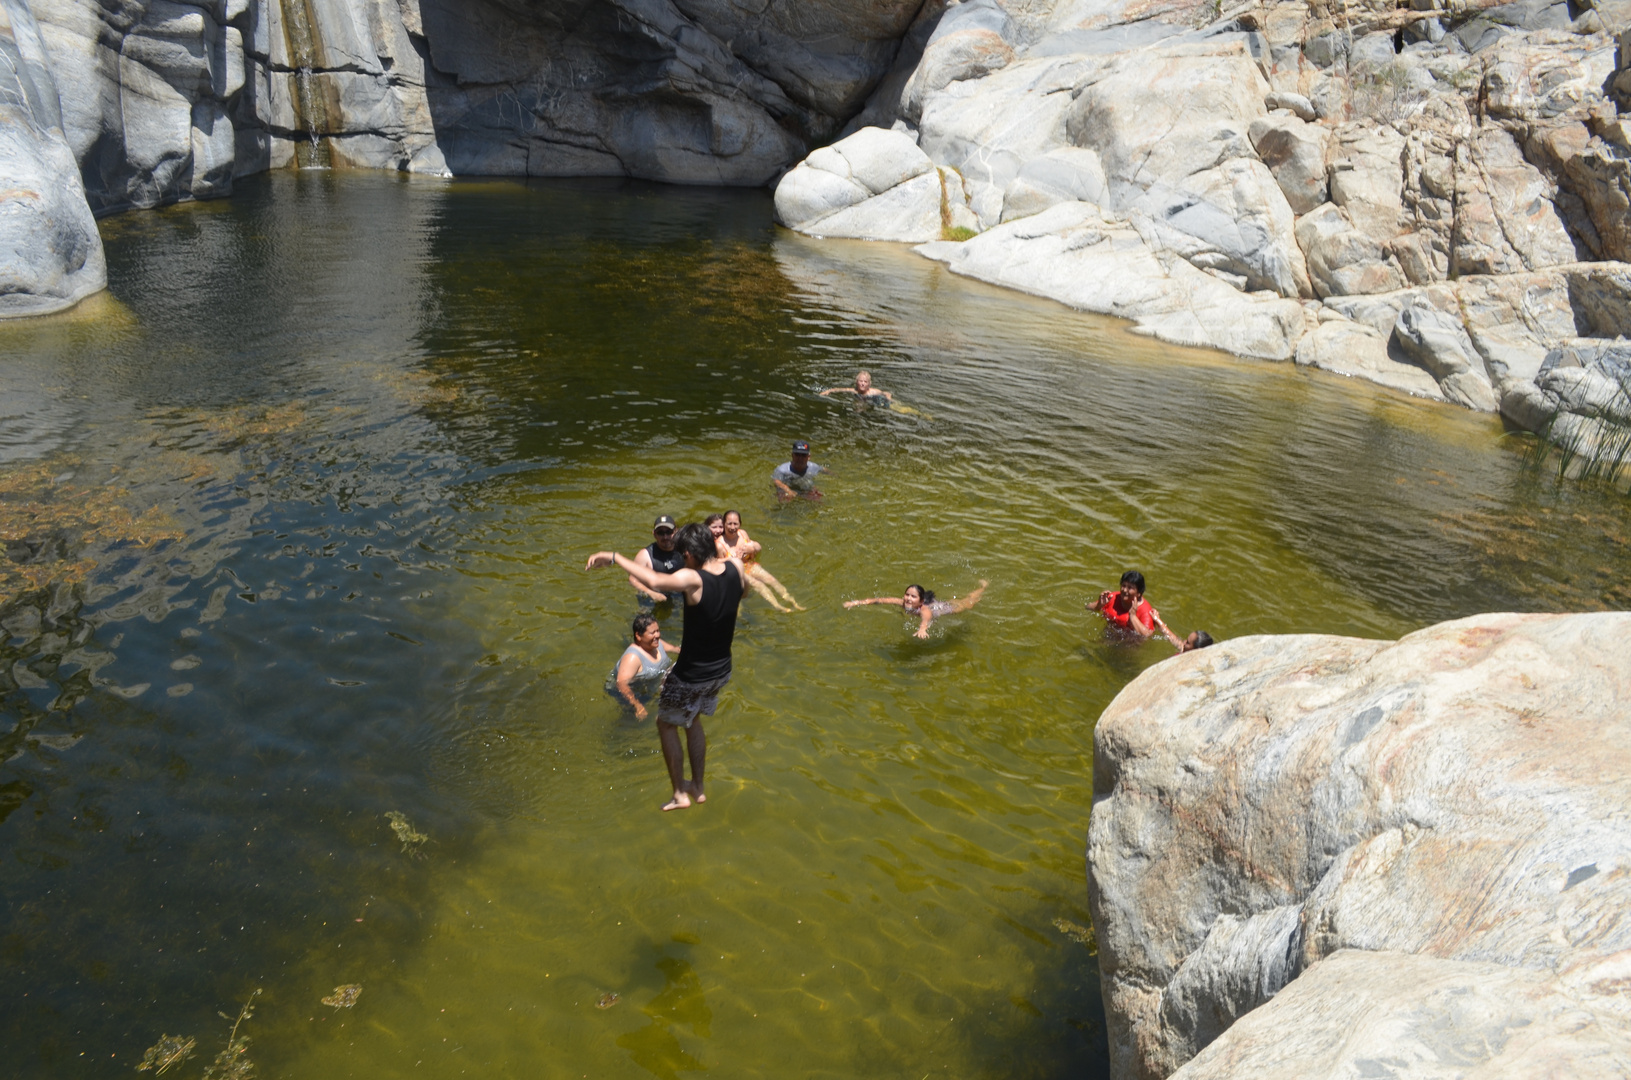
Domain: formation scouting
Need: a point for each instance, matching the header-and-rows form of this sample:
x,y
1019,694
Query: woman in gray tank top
x,y
638,674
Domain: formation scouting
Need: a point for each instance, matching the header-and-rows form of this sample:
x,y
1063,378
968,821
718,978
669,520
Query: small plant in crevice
x,y
1595,446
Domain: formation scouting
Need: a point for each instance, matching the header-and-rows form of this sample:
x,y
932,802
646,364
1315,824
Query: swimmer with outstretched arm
x,y
921,602
863,389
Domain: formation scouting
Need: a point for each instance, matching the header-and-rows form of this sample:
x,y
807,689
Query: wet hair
x,y
1135,579
924,596
711,518
738,514
1202,639
695,540
642,623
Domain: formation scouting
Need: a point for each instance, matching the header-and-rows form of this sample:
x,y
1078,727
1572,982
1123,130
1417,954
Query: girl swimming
x,y
917,600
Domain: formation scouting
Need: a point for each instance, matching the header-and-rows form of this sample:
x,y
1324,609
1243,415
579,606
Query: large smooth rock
x,y
972,39
1505,222
1077,254
1294,151
1342,261
50,252
1437,341
873,185
1269,809
1357,1013
1067,174
992,128
1351,348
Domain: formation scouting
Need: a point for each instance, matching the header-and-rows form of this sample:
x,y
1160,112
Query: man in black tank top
x,y
712,590
662,556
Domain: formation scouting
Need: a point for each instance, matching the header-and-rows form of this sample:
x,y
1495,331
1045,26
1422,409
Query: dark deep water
x,y
296,528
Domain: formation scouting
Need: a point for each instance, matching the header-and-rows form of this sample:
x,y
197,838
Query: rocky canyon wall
x,y
1318,856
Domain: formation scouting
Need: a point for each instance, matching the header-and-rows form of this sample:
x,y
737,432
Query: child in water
x,y
917,600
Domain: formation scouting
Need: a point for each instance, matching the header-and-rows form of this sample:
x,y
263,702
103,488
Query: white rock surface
x,y
1276,819
873,185
50,252
1077,254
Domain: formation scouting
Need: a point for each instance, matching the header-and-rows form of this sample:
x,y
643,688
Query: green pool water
x,y
296,524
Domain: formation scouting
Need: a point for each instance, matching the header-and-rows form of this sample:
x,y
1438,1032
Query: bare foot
x,y
680,801
798,606
696,792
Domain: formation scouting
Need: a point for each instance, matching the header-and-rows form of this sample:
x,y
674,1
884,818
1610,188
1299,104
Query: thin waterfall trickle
x,y
310,107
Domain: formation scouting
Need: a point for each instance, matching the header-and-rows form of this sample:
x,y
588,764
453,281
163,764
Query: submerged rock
x,y
1413,853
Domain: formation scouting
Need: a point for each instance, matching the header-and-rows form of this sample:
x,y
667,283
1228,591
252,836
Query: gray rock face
x,y
1316,856
50,252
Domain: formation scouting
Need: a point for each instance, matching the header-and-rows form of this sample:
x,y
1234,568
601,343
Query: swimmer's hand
x,y
601,558
639,711
922,632
855,603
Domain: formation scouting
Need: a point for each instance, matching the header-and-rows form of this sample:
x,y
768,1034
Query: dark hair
x,y
711,518
642,623
1134,578
695,540
1202,639
924,595
738,514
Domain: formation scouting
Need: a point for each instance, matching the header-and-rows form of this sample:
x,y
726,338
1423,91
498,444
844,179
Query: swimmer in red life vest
x,y
1126,611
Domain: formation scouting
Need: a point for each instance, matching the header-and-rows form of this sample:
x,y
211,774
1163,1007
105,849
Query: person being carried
x,y
795,479
638,673
712,588
1126,612
659,555
735,543
917,600
863,390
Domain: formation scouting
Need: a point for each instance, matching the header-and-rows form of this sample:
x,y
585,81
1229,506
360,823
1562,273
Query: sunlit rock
x,y
50,252
1371,851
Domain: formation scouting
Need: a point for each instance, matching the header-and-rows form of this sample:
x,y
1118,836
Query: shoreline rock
x,y
1310,855
50,251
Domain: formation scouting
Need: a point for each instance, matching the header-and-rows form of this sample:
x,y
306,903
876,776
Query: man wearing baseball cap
x,y
796,479
659,555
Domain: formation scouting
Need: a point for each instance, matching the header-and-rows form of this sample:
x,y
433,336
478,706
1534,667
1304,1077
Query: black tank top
x,y
665,562
705,650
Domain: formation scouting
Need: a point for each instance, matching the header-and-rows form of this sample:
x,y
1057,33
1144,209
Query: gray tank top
x,y
650,676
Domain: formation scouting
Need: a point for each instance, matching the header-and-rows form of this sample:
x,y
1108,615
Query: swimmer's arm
x,y
1105,598
875,600
644,559
1143,630
685,581
887,396
626,669
925,617
750,546
839,390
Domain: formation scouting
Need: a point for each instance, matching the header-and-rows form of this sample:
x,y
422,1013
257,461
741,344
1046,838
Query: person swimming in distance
x,y
737,544
917,600
637,677
863,390
1126,612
